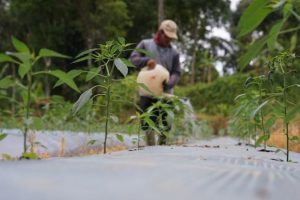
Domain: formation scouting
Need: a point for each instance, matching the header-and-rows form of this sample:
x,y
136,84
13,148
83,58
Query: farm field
x,y
211,169
150,100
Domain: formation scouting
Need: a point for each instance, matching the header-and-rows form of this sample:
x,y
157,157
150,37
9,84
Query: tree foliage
x,y
273,29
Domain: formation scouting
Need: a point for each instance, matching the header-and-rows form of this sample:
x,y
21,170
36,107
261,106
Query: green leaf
x,y
40,145
121,40
278,110
121,66
72,74
50,53
91,142
6,82
258,108
92,73
262,139
37,123
294,139
287,8
20,46
143,86
252,52
23,69
274,33
83,59
65,78
114,118
6,156
25,57
83,99
127,62
120,137
145,52
292,114
170,116
270,122
253,16
28,121
131,129
24,95
86,52
6,58
294,40
2,136
151,124
30,156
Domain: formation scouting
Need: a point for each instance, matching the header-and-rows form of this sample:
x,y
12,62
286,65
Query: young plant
x,y
139,118
109,59
257,89
27,60
164,111
282,65
242,123
2,136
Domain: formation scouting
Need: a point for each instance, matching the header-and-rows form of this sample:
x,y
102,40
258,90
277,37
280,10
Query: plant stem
x,y
29,77
290,30
139,131
107,113
255,136
295,14
286,128
13,105
262,116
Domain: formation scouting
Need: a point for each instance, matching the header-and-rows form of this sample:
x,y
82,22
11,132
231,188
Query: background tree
x,y
276,27
196,18
67,26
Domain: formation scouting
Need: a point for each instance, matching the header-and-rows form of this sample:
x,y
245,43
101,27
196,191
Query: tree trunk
x,y
90,45
160,11
209,74
193,66
48,62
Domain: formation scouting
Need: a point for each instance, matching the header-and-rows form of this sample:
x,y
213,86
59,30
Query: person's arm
x,y
139,59
175,73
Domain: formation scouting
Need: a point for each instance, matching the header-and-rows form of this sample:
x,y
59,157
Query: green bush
x,y
216,97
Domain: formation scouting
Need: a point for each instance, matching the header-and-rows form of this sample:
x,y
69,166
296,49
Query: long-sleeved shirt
x,y
165,56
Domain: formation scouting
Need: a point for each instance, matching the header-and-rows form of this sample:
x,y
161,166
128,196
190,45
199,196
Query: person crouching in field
x,y
162,53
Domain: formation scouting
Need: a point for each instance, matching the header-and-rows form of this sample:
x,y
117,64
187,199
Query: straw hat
x,y
170,28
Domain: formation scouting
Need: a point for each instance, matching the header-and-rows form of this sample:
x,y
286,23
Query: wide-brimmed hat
x,y
170,28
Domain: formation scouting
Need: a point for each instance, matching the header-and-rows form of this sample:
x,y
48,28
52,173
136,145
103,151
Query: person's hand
x,y
151,64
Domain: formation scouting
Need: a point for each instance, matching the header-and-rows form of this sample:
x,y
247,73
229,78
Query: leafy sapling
x,y
163,113
109,59
27,60
285,109
257,89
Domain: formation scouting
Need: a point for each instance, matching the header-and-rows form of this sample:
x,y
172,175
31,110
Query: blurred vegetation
x,y
216,97
72,26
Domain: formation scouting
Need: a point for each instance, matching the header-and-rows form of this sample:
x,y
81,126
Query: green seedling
x,y
282,65
27,60
2,136
165,110
257,88
141,117
241,118
108,58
